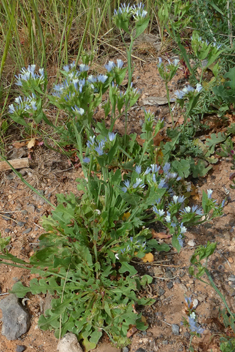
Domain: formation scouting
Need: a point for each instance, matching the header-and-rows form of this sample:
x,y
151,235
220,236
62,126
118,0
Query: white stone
x,y
69,343
191,243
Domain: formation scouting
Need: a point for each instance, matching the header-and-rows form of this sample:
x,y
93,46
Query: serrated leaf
x,y
182,167
88,345
231,76
127,267
163,247
199,169
20,290
214,140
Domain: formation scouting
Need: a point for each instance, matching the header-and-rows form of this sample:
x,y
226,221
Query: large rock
x,y
69,343
16,320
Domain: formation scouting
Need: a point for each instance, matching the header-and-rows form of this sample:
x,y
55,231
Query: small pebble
x,y
20,223
230,260
175,329
7,230
170,284
125,349
187,335
165,342
191,243
27,231
161,291
7,216
30,208
20,348
140,350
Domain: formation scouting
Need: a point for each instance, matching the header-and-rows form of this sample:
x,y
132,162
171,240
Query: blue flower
x,y
160,62
66,68
86,160
198,87
84,68
111,136
188,89
166,168
175,199
81,84
138,169
110,66
181,199
127,184
187,210
102,78
11,109
41,71
183,229
194,327
160,212
209,193
168,217
78,110
155,168
147,171
180,240
179,94
162,184
91,142
138,183
119,63
91,79
99,150
33,105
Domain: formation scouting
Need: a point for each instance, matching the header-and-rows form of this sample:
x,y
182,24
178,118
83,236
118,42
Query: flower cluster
x,y
174,63
137,11
111,65
192,323
29,74
181,93
207,43
75,82
131,246
23,105
96,148
168,71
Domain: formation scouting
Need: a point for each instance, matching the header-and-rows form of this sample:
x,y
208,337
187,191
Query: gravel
x,y
175,329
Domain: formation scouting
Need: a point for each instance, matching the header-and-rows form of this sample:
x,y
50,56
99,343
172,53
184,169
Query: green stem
x,y
218,291
169,104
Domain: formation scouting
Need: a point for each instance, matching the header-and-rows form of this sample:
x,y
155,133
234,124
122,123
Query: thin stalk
x,y
84,36
218,291
169,104
43,57
8,39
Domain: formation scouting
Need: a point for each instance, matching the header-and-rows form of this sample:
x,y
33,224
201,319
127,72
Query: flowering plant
x,y
86,252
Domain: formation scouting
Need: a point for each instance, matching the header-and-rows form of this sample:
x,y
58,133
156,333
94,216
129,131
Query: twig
x,y
230,28
165,278
165,322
